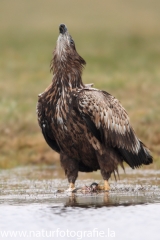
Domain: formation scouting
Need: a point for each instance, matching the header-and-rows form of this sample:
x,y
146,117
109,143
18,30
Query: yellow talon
x,y
106,186
71,187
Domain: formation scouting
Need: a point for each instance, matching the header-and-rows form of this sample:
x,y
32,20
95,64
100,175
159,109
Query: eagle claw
x,y
70,189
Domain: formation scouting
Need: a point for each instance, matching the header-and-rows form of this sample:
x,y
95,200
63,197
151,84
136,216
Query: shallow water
x,y
31,207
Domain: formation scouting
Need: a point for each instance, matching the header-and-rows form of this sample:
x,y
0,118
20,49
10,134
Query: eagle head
x,y
65,54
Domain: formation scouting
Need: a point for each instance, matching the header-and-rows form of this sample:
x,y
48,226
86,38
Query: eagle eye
x,y
71,42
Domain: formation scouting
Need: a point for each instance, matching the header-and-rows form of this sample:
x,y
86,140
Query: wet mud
x,y
34,198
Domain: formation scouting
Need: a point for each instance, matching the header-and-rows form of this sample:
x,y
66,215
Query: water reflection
x,y
110,200
18,187
32,202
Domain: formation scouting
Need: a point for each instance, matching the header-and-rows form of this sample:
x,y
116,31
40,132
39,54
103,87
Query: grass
x,y
120,42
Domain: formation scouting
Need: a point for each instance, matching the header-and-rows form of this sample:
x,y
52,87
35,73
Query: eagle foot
x,y
71,187
105,187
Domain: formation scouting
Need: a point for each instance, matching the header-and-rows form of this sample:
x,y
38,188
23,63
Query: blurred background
x,y
120,41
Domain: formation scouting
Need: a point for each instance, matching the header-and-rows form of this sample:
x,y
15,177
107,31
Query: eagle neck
x,y
66,82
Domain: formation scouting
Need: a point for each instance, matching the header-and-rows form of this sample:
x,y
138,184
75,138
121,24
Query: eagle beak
x,y
62,28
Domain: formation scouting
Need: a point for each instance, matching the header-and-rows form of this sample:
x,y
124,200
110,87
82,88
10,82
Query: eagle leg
x,y
106,170
70,167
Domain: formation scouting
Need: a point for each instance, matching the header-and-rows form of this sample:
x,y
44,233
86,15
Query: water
x,y
31,207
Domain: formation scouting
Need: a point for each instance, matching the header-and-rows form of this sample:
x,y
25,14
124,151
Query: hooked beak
x,y
62,28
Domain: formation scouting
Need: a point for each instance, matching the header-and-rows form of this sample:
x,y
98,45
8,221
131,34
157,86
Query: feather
x,y
88,127
118,132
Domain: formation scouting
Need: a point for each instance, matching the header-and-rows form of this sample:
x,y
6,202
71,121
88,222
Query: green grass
x,y
119,40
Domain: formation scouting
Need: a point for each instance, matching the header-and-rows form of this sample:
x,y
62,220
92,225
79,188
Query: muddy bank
x,y
34,201
34,184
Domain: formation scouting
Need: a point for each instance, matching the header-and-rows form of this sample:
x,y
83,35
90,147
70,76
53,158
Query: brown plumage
x,y
88,127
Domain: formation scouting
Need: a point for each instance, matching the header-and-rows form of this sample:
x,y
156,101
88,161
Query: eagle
x,y
88,127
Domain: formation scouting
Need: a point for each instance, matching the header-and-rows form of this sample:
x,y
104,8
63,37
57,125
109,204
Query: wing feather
x,y
46,131
109,114
109,117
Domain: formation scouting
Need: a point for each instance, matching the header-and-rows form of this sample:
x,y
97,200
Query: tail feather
x,y
135,160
